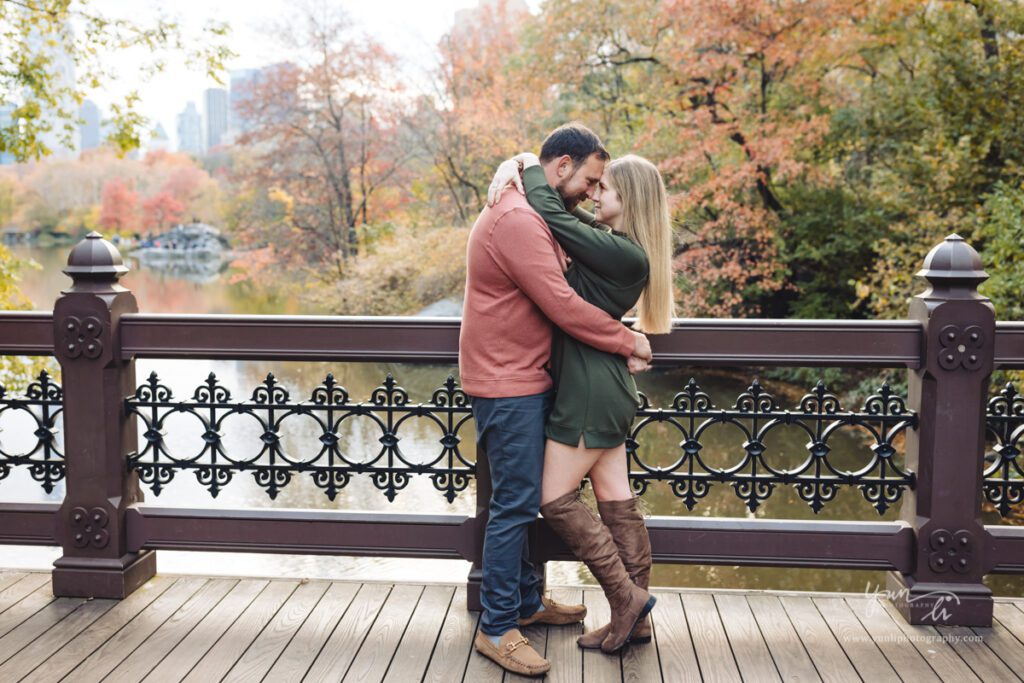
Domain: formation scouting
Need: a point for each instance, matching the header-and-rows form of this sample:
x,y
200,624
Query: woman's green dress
x,y
595,394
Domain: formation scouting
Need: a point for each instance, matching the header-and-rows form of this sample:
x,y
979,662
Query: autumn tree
x,y
161,211
9,191
120,206
727,97
323,137
929,138
484,105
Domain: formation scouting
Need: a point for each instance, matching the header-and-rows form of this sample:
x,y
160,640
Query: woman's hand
x,y
507,174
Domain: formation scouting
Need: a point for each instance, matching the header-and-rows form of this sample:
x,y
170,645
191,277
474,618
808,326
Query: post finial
x,y
94,259
952,263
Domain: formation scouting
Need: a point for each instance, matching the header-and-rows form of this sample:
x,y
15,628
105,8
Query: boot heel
x,y
647,609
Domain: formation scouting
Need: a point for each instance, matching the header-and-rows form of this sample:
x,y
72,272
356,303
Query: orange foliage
x,y
120,206
161,211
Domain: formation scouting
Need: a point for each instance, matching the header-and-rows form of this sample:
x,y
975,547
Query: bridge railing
x,y
937,553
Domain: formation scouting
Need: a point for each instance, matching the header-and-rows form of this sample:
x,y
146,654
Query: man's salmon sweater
x,y
515,291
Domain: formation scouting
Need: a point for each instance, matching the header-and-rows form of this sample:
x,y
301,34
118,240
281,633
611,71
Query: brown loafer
x,y
555,614
513,653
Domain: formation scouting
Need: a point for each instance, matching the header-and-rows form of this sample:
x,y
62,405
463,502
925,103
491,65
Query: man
x,y
515,291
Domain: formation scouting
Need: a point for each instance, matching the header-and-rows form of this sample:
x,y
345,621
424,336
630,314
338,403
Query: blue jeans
x,y
511,431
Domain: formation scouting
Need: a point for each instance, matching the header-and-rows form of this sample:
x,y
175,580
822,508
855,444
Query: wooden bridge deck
x,y
212,629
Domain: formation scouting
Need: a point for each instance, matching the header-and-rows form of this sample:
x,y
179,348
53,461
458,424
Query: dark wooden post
x,y
96,379
949,393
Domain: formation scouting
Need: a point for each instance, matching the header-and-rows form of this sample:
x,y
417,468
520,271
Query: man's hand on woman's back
x,y
637,365
641,346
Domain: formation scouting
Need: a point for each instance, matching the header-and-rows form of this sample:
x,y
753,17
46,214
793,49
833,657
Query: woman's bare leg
x,y
564,468
610,475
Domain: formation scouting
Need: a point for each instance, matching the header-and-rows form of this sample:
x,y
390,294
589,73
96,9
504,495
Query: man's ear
x,y
565,166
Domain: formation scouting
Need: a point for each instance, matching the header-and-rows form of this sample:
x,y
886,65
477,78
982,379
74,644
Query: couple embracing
x,y
549,364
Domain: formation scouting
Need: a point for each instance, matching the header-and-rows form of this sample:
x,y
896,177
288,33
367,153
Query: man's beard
x,y
570,202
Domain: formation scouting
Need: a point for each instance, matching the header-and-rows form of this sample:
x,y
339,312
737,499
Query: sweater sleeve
x,y
522,248
611,256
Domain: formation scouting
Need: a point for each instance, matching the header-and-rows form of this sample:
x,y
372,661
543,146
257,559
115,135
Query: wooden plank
x,y
929,642
193,647
714,654
785,646
906,660
982,660
39,623
565,655
25,608
218,661
10,578
340,649
1001,641
413,655
50,662
675,646
1011,618
274,638
19,590
454,644
748,644
640,661
147,655
35,640
307,643
373,658
597,666
825,651
119,646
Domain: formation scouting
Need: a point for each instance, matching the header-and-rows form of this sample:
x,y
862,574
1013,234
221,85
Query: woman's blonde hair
x,y
646,219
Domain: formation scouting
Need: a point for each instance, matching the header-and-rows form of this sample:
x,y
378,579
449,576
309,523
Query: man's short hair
x,y
575,140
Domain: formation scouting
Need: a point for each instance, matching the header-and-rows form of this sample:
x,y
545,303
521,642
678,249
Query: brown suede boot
x,y
591,542
626,524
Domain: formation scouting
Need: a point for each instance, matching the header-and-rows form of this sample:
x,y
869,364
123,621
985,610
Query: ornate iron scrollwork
x,y
1004,478
45,460
755,414
329,405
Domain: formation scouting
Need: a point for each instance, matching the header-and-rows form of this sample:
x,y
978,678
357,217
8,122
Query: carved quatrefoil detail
x,y
950,551
89,527
81,337
960,347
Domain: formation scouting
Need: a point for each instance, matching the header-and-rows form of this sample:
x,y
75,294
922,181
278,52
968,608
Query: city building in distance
x,y
190,130
89,126
216,105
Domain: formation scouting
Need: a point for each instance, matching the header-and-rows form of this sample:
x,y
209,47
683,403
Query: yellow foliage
x,y
404,273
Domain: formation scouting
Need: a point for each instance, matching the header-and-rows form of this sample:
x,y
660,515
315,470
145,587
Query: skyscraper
x,y
242,81
190,130
216,102
89,128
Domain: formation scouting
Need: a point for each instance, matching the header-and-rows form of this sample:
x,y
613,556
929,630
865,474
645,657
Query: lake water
x,y
183,292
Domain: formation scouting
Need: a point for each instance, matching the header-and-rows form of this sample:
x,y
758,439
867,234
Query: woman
x,y
621,258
